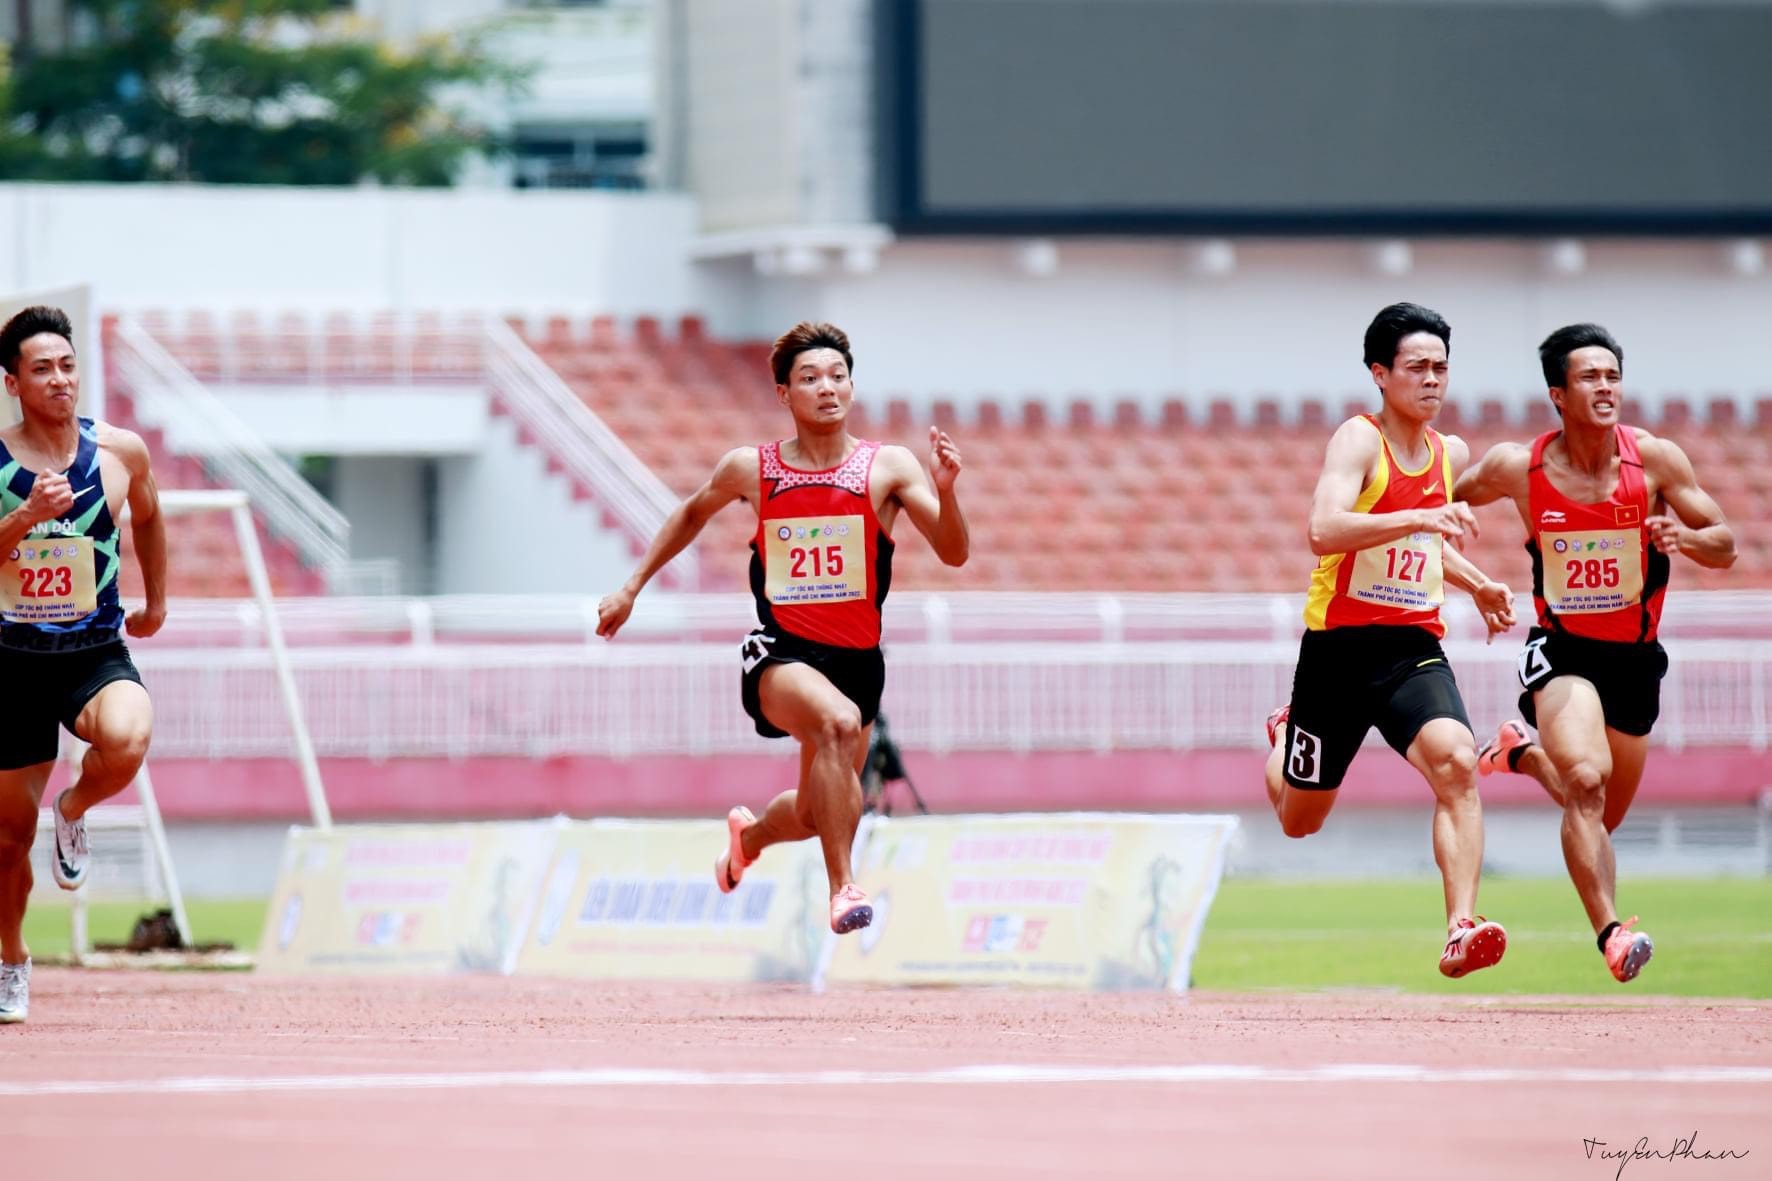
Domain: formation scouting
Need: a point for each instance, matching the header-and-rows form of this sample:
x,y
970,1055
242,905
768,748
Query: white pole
x,y
144,787
261,590
79,943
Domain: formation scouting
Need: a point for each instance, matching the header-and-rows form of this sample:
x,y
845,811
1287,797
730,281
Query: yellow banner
x,y
636,899
1081,900
408,899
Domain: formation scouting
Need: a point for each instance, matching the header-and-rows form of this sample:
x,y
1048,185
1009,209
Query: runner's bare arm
x,y
936,514
1501,473
1696,527
147,528
1335,528
51,496
1494,600
735,476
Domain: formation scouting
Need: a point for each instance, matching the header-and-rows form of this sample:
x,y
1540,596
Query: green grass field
x,y
1712,937
46,926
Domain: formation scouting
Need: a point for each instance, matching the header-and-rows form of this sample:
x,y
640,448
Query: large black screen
x,y
1337,115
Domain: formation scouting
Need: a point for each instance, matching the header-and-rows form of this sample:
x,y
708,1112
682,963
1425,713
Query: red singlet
x,y
820,563
1594,572
1401,581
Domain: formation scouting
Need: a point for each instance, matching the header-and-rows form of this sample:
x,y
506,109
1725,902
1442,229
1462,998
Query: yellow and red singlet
x,y
1400,582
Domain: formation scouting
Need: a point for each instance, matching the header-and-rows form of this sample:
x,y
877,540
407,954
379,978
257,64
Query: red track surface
x,y
137,1030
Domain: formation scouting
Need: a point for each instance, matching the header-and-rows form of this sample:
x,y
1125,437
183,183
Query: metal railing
x,y
582,443
289,505
984,617
540,700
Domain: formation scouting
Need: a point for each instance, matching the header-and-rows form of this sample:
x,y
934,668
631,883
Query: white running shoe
x,y
71,859
15,992
729,866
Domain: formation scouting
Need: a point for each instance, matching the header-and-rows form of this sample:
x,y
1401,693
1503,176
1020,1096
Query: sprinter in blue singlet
x,y
63,483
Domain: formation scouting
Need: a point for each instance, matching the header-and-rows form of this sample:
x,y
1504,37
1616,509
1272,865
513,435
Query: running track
x,y
145,1076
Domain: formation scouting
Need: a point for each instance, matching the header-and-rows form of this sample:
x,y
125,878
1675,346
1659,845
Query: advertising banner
x,y
1077,900
408,898
636,900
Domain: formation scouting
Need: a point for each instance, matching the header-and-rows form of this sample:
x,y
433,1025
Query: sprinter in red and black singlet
x,y
1371,649
1605,507
821,564
64,482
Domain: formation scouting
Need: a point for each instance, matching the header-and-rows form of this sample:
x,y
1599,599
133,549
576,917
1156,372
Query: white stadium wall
x,y
218,248
955,318
962,319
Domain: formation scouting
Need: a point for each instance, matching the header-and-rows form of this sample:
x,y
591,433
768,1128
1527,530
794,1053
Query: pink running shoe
x,y
1473,945
1493,756
850,910
1275,720
729,866
1627,951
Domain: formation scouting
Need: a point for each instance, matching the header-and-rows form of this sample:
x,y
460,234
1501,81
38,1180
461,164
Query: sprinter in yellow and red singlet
x,y
821,564
1605,507
1371,656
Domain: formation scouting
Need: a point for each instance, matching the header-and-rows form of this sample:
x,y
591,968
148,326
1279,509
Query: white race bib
x,y
1592,570
1406,573
49,580
815,559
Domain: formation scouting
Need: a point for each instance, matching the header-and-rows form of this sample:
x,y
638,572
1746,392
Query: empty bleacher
x,y
1059,495
1063,498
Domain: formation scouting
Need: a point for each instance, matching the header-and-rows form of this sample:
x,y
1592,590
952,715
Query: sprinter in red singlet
x,y
821,563
1371,649
1595,496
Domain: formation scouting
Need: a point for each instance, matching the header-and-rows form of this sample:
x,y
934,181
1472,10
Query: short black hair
x,y
806,335
1392,324
1553,354
24,326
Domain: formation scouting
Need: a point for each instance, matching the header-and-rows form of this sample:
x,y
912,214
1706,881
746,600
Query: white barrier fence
x,y
538,700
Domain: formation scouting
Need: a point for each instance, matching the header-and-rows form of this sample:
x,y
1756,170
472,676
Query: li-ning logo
x,y
1551,516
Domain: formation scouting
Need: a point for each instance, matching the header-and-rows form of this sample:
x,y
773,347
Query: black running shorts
x,y
46,689
858,673
1350,679
1626,676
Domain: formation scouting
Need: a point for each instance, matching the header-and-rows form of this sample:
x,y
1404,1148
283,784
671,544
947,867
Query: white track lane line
x,y
984,1075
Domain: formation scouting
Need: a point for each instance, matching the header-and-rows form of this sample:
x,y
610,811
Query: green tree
x,y
240,92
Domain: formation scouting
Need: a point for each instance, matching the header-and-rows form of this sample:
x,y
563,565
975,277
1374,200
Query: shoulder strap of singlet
x,y
1538,446
1439,440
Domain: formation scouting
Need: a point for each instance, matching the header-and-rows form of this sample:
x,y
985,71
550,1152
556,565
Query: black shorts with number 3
x,y
1350,679
1626,676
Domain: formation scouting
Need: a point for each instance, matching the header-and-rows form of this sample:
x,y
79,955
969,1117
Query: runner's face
x,y
48,383
1415,384
1590,393
819,390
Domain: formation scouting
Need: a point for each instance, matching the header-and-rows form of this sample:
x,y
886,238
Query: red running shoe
x,y
1493,757
729,866
1473,945
1627,951
1274,721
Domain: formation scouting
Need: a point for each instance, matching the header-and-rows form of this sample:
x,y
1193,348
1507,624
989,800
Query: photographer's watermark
x,y
1684,1148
